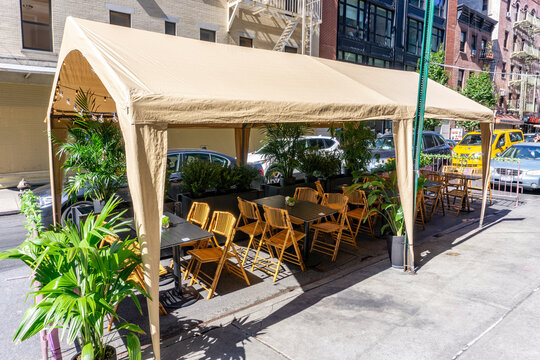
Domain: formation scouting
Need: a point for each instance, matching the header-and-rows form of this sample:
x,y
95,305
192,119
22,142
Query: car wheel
x,y
67,214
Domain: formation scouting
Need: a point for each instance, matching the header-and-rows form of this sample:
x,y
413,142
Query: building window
x,y
440,8
380,25
473,43
352,18
461,75
462,41
503,75
119,18
170,28
484,5
36,24
506,40
208,35
414,37
245,42
290,49
417,3
437,38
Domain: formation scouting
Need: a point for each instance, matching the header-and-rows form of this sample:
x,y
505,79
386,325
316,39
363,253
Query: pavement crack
x,y
492,326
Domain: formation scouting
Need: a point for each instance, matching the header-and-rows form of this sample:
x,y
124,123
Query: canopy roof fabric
x,y
180,81
156,81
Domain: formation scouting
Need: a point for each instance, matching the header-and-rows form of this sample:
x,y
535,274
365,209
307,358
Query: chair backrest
x,y
248,210
222,224
306,194
199,214
320,189
356,197
277,218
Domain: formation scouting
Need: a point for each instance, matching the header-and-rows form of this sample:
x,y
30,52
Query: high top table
x,y
302,210
179,232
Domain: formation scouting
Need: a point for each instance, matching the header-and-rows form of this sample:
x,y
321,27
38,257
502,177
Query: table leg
x,y
178,297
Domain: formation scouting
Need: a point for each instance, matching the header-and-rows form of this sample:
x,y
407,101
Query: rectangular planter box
x,y
223,202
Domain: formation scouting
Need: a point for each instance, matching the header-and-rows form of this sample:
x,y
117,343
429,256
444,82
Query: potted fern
x,y
82,280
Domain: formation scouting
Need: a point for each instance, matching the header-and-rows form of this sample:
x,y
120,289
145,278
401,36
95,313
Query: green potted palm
x,y
283,148
82,280
94,153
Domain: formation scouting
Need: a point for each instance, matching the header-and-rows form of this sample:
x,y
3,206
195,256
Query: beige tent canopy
x,y
150,82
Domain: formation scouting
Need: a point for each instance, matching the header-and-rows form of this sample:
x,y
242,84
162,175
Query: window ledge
x,y
43,52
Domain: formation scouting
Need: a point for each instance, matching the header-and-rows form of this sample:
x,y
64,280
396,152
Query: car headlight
x,y
45,201
533,172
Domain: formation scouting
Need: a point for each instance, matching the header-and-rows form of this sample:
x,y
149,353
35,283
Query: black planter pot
x,y
110,351
395,245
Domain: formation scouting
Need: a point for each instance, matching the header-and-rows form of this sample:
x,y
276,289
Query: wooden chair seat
x,y
252,228
209,254
281,240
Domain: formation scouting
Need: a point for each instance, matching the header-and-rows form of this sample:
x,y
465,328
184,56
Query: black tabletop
x,y
180,231
303,210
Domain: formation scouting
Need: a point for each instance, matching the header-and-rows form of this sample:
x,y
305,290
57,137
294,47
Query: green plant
x,y
356,140
32,213
385,193
283,148
198,175
81,281
245,176
94,154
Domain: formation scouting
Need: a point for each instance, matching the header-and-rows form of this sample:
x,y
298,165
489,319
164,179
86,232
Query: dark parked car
x,y
432,143
175,158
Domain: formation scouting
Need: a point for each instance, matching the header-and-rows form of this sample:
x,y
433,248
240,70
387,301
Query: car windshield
x,y
474,139
385,143
522,152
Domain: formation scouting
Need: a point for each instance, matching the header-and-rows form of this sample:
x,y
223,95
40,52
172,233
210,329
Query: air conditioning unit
x,y
503,92
508,15
473,52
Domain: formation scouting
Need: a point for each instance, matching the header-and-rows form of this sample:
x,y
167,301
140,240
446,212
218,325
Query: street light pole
x,y
419,116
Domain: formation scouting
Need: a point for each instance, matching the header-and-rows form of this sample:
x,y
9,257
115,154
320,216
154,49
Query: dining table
x,y
305,211
180,231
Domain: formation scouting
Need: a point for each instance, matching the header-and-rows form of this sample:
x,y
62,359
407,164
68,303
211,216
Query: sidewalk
x,y
9,201
475,296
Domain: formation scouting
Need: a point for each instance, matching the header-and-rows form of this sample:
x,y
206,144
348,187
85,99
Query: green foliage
x,y
245,176
383,191
283,148
81,282
480,89
94,154
356,140
198,175
32,212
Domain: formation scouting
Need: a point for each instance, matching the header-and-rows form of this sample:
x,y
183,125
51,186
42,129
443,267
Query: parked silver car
x,y
526,168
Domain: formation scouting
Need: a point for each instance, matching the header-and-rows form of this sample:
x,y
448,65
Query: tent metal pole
x,y
419,117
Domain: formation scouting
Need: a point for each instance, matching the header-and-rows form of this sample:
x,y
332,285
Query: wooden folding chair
x,y
137,275
222,224
280,236
338,228
253,225
320,189
420,209
456,186
358,199
477,191
306,194
198,215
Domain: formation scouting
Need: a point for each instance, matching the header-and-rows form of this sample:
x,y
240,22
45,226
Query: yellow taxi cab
x,y
470,147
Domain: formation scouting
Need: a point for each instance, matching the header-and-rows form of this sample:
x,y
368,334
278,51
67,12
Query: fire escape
x,y
528,54
303,13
